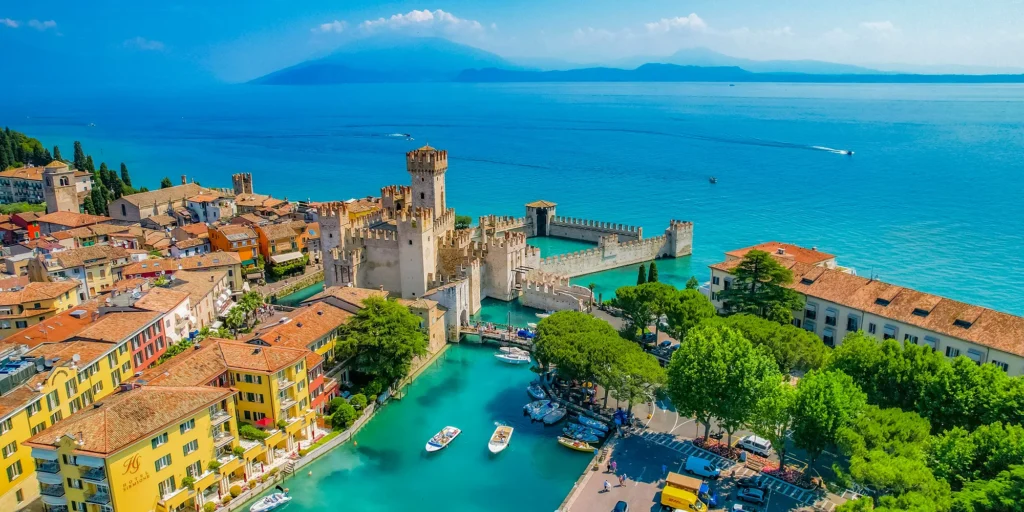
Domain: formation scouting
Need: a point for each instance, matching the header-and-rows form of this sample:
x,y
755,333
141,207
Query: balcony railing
x,y
56,508
94,475
220,417
47,466
56,491
99,498
283,384
222,438
287,402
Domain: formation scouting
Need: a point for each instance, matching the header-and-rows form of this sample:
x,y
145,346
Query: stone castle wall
x,y
550,292
591,230
609,254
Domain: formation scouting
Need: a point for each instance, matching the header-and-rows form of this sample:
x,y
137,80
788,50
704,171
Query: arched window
x,y
63,181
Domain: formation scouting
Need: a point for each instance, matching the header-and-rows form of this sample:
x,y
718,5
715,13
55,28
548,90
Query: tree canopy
x,y
387,337
685,309
825,402
793,348
759,288
463,221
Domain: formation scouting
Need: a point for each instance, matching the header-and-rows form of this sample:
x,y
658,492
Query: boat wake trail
x,y
496,162
832,150
722,140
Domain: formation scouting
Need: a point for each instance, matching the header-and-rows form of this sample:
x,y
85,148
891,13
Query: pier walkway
x,y
501,334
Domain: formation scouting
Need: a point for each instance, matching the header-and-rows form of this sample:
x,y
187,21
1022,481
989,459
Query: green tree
x,y
1004,493
890,373
89,166
825,402
692,283
166,183
235,319
79,157
641,276
759,288
967,395
959,456
685,310
463,221
344,416
387,337
652,273
124,175
793,348
641,305
56,154
773,418
635,374
99,200
88,206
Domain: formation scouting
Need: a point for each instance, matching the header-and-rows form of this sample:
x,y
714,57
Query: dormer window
x,y
806,281
962,323
881,302
920,312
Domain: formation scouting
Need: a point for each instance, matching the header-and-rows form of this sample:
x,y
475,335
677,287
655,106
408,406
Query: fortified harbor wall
x,y
611,253
554,293
591,230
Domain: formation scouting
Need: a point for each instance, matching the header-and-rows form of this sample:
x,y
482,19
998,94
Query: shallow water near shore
x,y
387,468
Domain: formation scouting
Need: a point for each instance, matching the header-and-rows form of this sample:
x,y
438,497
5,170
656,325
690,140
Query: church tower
x,y
59,188
427,167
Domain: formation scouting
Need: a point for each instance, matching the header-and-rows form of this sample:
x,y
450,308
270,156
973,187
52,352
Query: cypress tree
x,y
79,160
87,204
641,276
652,275
124,175
99,200
89,165
56,154
692,284
5,152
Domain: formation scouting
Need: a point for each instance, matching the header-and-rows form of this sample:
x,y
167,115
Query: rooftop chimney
x,y
184,179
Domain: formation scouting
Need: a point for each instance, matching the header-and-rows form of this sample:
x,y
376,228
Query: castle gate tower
x,y
59,188
427,167
539,215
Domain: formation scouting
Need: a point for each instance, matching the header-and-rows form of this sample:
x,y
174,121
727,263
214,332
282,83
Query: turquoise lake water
x,y
390,471
294,299
931,198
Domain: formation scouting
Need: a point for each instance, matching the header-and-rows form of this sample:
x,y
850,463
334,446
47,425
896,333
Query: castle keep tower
x,y
59,188
426,168
242,183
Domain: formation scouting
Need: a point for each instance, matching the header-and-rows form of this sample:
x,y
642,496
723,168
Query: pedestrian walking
x,y
615,467
607,486
622,480
664,470
610,470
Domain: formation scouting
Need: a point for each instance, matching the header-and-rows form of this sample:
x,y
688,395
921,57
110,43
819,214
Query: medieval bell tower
x,y
427,167
59,188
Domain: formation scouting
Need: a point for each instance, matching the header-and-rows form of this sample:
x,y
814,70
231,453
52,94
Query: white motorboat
x,y
533,406
500,439
537,392
513,358
514,350
555,416
270,502
442,438
545,314
532,326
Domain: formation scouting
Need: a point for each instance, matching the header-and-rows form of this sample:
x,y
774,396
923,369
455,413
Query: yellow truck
x,y
683,493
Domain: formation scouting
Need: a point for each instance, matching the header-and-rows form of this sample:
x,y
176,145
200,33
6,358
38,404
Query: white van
x,y
701,467
756,445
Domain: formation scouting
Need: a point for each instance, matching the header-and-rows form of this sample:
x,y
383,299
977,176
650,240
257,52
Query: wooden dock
x,y
500,334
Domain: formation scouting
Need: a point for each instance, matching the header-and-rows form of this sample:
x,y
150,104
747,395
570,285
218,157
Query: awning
x,y
278,259
264,422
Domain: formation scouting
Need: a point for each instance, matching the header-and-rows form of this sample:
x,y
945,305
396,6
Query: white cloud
x,y
42,25
335,27
691,22
141,43
7,22
879,26
424,21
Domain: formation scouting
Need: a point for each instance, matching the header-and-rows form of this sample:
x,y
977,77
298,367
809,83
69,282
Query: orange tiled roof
x,y
80,256
195,229
350,294
197,283
215,356
88,352
37,292
17,398
125,418
305,326
13,282
161,300
204,198
541,204
786,251
72,219
24,173
236,232
59,328
118,326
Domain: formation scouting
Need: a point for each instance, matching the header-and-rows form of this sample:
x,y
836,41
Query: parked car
x,y
751,495
756,445
751,482
701,467
621,506
665,344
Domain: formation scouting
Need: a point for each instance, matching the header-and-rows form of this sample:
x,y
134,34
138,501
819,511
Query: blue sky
x,y
232,41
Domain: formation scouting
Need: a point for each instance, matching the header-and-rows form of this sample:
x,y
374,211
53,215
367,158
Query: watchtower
x,y
539,215
242,183
59,188
426,167
417,251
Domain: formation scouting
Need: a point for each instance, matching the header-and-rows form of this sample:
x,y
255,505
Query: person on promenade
x,y
615,467
607,486
622,480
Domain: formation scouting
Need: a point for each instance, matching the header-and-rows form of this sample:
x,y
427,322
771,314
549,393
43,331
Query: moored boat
x,y
442,438
587,421
579,435
588,430
532,407
500,439
270,502
513,358
537,392
514,350
540,412
572,444
556,415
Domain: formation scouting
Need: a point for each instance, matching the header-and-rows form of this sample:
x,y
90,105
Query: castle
x,y
410,248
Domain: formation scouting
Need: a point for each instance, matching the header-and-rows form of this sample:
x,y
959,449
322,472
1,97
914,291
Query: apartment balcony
x,y
222,438
94,475
56,491
47,466
98,498
219,418
56,508
283,384
287,402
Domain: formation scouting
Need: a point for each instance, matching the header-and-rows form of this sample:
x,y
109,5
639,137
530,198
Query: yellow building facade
x,y
25,307
75,376
148,449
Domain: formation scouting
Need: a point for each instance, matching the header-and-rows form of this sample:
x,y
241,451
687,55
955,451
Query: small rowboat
x,y
588,430
587,421
500,439
555,415
537,392
270,502
573,444
442,438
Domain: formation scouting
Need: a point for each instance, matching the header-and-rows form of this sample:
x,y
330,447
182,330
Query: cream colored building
x,y
97,267
209,293
839,302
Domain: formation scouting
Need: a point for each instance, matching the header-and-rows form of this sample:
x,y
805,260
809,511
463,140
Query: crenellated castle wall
x,y
591,230
613,253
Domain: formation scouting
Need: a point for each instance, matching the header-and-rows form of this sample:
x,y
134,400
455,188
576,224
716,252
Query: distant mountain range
x,y
429,59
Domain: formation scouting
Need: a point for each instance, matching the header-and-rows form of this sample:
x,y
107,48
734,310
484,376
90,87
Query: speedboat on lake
x,y
442,438
500,439
270,502
513,358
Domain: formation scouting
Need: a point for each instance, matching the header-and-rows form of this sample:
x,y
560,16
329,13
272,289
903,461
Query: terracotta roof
x,y
44,243
124,285
305,325
162,196
283,230
313,359
118,326
947,317
250,219
72,219
257,201
363,205
786,251
162,220
88,352
197,283
204,198
197,229
24,173
123,419
419,303
29,216
162,300
210,260
246,357
37,292
58,328
541,204
215,356
17,398
12,282
234,232
350,294
313,230
91,231
191,242
78,257
150,265
56,164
